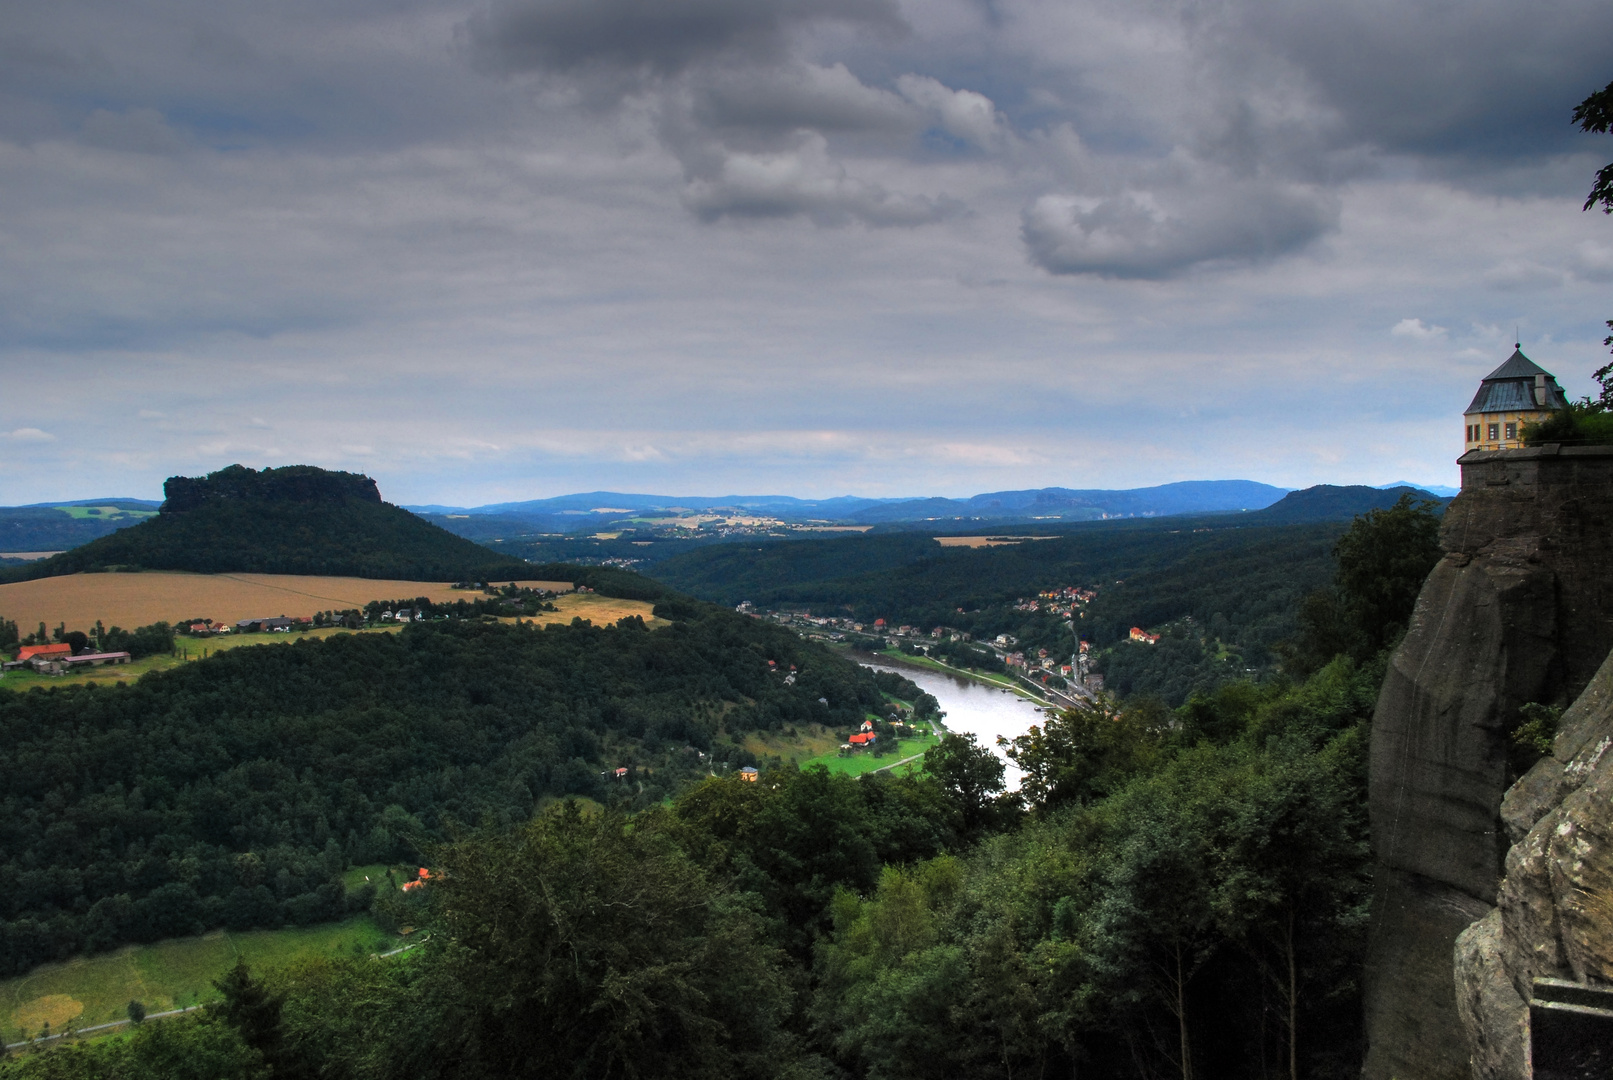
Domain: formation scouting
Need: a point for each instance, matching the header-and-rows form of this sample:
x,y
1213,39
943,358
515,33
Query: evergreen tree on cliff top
x,y
1594,116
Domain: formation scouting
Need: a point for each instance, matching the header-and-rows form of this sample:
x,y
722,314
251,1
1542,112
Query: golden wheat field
x,y
130,600
599,610
984,541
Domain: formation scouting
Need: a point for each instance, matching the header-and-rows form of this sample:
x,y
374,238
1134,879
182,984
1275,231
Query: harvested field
x,y
985,541
599,610
130,600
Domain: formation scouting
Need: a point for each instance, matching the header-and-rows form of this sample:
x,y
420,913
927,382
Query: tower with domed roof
x,y
1516,393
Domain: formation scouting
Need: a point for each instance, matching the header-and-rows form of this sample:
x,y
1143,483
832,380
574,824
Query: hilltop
x,y
1330,502
292,520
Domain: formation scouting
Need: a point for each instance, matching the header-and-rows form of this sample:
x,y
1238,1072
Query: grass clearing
x,y
166,975
863,762
599,610
83,512
985,541
810,741
131,600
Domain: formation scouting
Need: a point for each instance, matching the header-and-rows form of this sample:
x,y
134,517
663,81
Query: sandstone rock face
x,y
1520,609
1554,914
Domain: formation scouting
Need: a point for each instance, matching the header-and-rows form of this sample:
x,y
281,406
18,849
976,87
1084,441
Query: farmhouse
x,y
749,774
1514,394
252,626
96,659
48,652
1139,634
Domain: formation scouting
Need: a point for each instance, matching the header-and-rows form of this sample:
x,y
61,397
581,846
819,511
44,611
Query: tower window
x,y
1494,432
1512,431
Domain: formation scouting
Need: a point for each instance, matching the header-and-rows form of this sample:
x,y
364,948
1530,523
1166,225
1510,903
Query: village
x,y
1070,675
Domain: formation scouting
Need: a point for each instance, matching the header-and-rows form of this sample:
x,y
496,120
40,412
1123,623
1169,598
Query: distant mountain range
x,y
569,513
68,525
59,526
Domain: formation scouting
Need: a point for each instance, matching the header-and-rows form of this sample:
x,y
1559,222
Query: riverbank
x,y
897,658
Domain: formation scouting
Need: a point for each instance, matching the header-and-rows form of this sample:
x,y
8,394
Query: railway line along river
x,y
971,707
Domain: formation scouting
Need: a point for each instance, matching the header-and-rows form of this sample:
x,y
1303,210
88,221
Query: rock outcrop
x,y
1554,909
1520,609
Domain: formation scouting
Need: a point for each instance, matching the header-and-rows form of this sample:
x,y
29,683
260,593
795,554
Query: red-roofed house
x,y
866,738
1139,634
48,652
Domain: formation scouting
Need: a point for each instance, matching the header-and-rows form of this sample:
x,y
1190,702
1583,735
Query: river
x,y
971,708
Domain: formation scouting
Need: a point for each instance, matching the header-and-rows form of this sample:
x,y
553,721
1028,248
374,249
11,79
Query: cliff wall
x,y
1554,913
1520,609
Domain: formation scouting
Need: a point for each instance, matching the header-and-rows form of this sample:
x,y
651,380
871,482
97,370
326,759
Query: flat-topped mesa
x,y
292,483
1519,610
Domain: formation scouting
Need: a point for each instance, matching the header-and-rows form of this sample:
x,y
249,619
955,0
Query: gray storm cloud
x,y
1141,234
660,37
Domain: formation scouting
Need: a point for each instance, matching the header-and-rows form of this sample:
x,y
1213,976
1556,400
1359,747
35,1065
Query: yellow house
x,y
1517,392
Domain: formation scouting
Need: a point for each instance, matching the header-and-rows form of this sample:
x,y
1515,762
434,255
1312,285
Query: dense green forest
x,y
1238,586
1171,892
234,791
292,520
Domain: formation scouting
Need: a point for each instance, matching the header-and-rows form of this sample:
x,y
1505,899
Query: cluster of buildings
x,y
58,659
1066,600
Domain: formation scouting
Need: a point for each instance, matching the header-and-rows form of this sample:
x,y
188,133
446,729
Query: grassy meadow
x,y
167,975
862,761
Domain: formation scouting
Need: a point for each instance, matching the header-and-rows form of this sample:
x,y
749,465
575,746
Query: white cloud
x,y
963,114
1414,328
28,435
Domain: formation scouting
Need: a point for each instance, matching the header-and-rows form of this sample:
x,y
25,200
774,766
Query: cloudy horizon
x,y
497,251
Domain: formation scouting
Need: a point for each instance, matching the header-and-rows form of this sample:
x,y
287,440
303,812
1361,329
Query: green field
x,y
168,975
186,649
863,762
82,512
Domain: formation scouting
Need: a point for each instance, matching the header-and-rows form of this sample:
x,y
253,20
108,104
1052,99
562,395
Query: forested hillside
x,y
1171,892
56,528
234,790
1239,584
293,520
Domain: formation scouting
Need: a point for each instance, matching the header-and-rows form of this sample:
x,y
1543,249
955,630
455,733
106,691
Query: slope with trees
x,y
1172,893
233,791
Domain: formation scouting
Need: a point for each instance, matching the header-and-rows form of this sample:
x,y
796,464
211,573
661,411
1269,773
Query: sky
x,y
495,251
